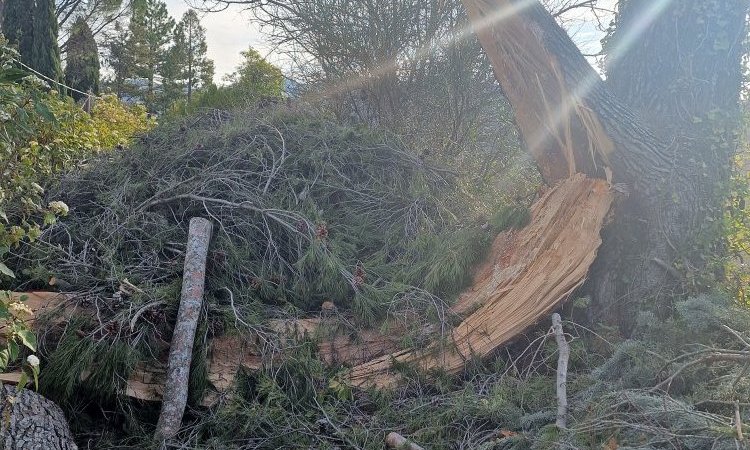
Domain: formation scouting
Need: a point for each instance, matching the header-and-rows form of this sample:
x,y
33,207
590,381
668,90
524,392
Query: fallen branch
x,y
710,356
562,372
395,440
181,350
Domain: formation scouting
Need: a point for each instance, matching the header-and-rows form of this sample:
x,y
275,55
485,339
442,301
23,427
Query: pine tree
x,y
188,55
82,68
45,53
119,58
150,33
17,26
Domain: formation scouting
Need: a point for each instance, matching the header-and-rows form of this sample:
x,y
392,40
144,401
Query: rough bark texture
x,y
29,421
529,272
181,349
678,61
678,66
572,122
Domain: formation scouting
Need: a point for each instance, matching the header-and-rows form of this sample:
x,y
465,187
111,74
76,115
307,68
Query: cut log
x,y
530,273
181,349
29,421
395,440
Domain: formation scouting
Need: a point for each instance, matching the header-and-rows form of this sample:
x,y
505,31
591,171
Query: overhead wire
x,y
45,77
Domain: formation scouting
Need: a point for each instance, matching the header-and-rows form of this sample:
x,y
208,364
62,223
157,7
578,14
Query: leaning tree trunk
x,y
29,421
572,122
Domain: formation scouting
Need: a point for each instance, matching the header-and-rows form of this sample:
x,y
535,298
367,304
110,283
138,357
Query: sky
x,y
231,31
227,34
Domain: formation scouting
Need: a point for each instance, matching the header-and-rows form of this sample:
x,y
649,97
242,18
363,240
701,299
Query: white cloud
x,y
228,33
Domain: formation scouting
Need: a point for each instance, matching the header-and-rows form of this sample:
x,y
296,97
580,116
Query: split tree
x,y
662,128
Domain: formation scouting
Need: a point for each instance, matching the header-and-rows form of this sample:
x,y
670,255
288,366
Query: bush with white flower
x,y
16,336
43,134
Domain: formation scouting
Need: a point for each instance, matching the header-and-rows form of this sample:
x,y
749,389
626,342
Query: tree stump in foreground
x,y
28,421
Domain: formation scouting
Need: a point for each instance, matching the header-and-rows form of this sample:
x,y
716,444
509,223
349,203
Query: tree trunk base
x,y
29,421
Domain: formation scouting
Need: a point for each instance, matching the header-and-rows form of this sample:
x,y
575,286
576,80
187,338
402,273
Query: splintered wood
x,y
528,274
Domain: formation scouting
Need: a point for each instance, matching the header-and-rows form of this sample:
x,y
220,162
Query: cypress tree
x,y
45,54
82,68
17,26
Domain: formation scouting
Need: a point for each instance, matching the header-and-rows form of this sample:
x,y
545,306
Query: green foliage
x,y
255,79
42,135
45,53
188,68
351,216
257,76
119,58
17,336
82,62
149,36
88,368
17,27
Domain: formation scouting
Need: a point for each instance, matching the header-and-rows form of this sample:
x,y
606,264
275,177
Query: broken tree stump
x,y
526,277
181,349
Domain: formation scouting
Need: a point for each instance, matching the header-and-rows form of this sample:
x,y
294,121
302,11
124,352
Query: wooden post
x,y
181,349
395,440
562,372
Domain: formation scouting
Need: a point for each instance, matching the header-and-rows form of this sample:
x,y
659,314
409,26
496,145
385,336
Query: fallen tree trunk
x,y
527,275
181,349
227,354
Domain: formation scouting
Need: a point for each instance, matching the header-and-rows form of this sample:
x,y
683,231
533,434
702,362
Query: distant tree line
x,y
151,57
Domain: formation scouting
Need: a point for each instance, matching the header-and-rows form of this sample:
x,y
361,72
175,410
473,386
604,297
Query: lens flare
x,y
459,35
641,23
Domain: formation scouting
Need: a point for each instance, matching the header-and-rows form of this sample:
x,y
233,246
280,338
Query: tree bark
x,y
29,421
561,420
181,349
572,122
